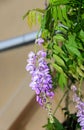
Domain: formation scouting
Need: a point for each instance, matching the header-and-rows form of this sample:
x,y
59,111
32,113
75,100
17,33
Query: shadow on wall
x,y
25,116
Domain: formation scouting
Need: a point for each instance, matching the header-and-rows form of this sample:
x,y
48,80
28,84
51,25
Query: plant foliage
x,y
62,28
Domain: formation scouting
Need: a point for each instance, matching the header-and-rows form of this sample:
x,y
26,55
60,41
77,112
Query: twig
x,y
60,102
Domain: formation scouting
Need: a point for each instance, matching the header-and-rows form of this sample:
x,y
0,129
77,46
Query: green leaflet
x,y
39,18
36,10
54,13
81,35
47,19
34,16
73,47
83,16
81,67
64,13
57,49
80,72
58,68
73,50
59,14
65,58
73,75
30,19
58,60
62,80
59,37
45,34
71,40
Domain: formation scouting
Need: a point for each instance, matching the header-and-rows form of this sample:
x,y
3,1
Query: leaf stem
x,y
60,101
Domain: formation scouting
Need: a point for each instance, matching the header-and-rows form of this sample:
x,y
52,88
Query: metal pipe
x,y
18,41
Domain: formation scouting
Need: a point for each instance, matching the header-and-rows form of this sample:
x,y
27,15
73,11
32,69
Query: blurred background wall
x,y
18,108
11,12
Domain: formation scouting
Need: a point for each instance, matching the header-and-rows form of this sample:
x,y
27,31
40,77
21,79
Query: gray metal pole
x,y
17,41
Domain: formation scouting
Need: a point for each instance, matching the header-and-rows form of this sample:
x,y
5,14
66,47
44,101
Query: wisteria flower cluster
x,y
41,79
79,106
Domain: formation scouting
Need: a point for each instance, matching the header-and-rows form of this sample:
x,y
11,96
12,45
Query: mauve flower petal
x,y
73,87
41,53
39,41
31,54
37,91
82,123
82,128
39,100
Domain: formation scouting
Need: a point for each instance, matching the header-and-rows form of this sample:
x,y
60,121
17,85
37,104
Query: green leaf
x,y
59,14
64,13
54,126
73,74
65,58
29,19
62,80
48,126
33,16
54,13
72,40
45,34
58,125
81,67
81,35
58,60
80,72
82,16
39,18
59,37
73,50
72,46
58,68
47,19
36,10
57,49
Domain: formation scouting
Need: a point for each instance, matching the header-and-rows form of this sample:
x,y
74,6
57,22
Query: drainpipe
x,y
18,41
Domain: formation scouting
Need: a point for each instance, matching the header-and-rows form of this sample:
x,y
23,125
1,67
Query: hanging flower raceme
x,y
40,41
41,79
79,107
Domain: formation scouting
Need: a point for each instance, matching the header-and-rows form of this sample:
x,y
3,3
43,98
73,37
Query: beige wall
x,y
18,108
15,93
11,12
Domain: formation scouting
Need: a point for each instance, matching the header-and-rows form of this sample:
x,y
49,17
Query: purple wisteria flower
x,y
79,106
41,79
39,41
